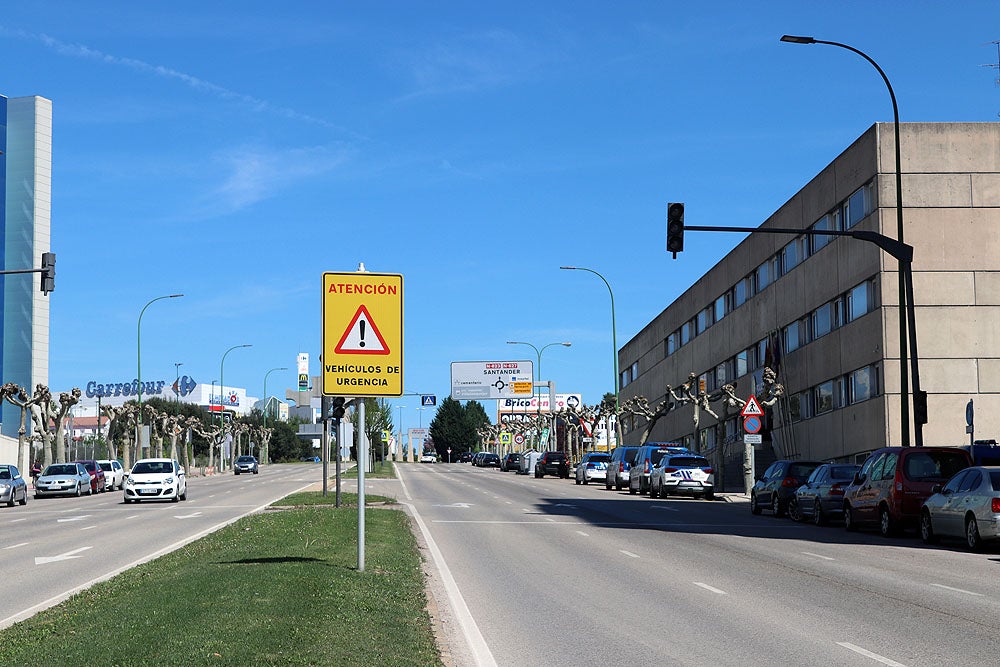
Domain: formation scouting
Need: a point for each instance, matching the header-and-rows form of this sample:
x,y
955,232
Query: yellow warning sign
x,y
362,334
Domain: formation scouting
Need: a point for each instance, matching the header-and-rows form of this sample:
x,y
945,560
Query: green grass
x,y
277,588
311,498
383,470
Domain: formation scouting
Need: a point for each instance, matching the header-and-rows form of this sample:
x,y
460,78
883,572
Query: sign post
x,y
362,351
752,423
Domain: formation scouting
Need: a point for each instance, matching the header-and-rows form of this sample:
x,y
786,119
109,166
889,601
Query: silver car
x,y
63,479
593,467
13,488
968,506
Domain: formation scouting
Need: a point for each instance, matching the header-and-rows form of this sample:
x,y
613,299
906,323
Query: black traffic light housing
x,y
48,282
675,228
337,409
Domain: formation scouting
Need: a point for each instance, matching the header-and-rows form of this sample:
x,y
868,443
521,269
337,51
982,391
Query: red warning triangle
x,y
752,408
362,336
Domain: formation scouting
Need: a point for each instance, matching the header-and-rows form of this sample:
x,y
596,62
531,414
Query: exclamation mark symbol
x,y
361,323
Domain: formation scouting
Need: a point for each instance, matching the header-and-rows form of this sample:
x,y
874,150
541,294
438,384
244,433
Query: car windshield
x,y
689,461
599,458
245,459
801,470
4,473
657,455
60,470
148,467
934,465
106,467
843,472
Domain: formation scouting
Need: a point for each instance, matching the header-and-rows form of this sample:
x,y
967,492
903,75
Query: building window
x,y
856,207
672,342
760,353
722,374
793,254
741,292
704,319
686,333
857,301
635,371
824,398
791,336
863,384
764,276
742,367
720,307
822,320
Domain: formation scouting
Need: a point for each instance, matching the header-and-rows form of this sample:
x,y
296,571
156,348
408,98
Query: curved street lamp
x,y
614,348
538,354
907,315
138,370
222,412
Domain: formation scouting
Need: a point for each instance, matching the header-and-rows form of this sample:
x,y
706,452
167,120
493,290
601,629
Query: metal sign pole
x,y
362,462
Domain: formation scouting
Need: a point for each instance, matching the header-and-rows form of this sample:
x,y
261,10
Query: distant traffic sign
x,y
752,424
428,399
475,380
752,408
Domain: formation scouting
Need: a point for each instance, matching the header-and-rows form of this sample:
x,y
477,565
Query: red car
x,y
97,481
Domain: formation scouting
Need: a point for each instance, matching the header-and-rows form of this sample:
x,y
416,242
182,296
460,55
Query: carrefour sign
x,y
182,387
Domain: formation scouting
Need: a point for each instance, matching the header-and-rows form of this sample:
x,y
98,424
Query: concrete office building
x,y
26,168
824,309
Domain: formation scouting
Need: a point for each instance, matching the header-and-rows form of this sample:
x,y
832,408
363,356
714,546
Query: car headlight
x,y
129,482
168,480
5,486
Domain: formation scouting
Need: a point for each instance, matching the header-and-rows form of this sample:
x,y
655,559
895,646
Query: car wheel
x,y
776,509
754,507
793,509
577,481
24,499
184,496
618,486
973,539
176,497
79,491
631,490
818,517
255,472
586,481
607,485
886,526
654,492
710,495
849,523
10,503
927,528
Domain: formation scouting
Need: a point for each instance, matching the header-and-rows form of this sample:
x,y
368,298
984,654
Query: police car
x,y
687,474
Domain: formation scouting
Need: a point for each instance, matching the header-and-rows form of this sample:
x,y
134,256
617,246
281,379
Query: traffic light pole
x,y
904,254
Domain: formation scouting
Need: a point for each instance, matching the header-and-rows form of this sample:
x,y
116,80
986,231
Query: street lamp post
x,y
614,348
538,354
138,370
907,315
222,412
267,401
399,445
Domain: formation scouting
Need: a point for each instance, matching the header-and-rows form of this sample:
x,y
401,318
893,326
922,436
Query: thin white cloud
x,y
193,82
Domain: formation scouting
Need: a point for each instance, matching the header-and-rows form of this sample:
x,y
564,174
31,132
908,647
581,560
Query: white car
x,y
686,474
114,474
156,479
428,458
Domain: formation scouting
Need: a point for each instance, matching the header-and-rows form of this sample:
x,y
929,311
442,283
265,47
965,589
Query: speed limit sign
x,y
518,438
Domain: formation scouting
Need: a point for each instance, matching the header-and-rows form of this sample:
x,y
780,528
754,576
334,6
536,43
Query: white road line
x,y
665,509
580,532
809,553
958,590
14,546
709,588
629,553
16,520
868,654
88,527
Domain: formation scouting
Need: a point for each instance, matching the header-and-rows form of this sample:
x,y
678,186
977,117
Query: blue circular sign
x,y
752,424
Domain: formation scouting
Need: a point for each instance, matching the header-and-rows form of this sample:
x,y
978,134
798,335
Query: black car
x,y
489,460
552,463
778,485
821,498
465,457
511,461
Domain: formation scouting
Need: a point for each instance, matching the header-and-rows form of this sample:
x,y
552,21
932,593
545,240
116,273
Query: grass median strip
x,y
276,588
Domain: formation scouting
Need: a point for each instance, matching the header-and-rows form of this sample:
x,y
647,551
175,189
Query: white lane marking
x,y
809,553
73,518
14,546
134,516
868,654
462,505
88,527
665,509
958,590
16,520
629,553
580,532
41,560
548,518
187,516
709,588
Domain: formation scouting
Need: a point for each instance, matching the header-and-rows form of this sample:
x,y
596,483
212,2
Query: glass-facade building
x,y
26,170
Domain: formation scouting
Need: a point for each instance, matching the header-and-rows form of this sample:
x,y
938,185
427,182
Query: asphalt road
x,y
552,573
54,547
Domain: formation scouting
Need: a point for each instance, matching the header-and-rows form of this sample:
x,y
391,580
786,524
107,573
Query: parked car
x,y
552,463
489,460
894,482
156,479
246,463
510,461
114,474
428,457
465,457
645,458
59,479
619,466
778,484
98,484
682,474
968,506
13,488
311,459
593,467
821,498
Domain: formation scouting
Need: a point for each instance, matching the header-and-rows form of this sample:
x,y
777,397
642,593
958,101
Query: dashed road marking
x,y
868,654
709,588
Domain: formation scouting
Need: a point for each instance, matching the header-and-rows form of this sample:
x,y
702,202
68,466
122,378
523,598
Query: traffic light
x,y
48,272
338,409
675,228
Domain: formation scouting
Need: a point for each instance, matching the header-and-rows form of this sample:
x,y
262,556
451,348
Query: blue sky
x,y
234,151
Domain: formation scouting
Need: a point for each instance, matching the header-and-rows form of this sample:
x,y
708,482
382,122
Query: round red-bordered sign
x,y
752,424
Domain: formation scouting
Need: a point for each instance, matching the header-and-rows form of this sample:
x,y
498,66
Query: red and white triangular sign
x,y
752,408
362,336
